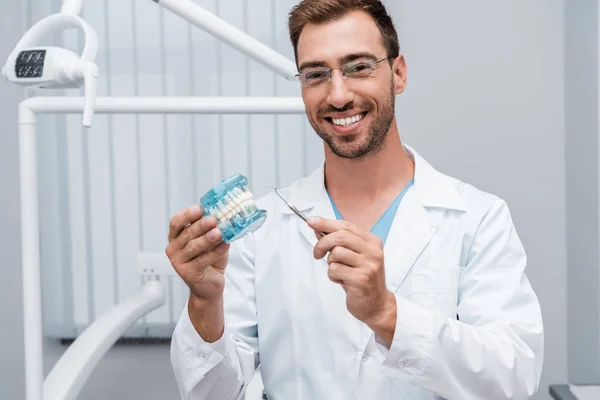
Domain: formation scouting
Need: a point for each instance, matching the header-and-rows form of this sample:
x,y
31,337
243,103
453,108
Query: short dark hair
x,y
324,11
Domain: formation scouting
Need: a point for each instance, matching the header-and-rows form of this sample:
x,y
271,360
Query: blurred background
x,y
502,95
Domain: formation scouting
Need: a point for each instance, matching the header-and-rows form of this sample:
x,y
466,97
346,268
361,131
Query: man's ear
x,y
399,71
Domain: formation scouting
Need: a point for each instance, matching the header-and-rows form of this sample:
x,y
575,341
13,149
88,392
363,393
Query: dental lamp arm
x,y
235,37
56,22
53,67
90,79
72,6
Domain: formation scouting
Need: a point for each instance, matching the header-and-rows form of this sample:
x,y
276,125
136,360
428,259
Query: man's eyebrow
x,y
343,60
312,64
357,56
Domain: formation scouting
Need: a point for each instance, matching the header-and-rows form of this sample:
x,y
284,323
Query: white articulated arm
x,y
74,368
235,37
72,6
89,74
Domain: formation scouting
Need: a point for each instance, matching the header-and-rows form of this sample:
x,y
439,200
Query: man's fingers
x,y
210,257
334,225
182,219
325,225
200,245
343,255
339,239
191,270
339,273
194,231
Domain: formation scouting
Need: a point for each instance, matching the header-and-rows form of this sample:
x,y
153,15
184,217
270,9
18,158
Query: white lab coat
x,y
469,325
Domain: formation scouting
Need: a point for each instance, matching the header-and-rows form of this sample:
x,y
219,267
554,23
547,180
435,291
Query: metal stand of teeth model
x,y
234,207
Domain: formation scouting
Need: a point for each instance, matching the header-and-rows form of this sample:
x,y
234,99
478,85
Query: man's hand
x,y
199,255
356,262
197,252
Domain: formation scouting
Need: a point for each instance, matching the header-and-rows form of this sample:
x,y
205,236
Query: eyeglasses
x,y
314,76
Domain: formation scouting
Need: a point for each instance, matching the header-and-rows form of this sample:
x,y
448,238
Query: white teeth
x,y
347,121
236,202
237,197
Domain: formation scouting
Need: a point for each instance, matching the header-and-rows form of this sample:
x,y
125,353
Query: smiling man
x,y
417,290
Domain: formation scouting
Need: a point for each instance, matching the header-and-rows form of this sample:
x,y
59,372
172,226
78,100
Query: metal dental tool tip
x,y
295,210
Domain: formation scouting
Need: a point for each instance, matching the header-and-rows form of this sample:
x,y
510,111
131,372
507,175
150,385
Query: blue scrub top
x,y
383,225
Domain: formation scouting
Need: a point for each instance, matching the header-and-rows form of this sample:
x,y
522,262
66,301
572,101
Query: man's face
x,y
351,115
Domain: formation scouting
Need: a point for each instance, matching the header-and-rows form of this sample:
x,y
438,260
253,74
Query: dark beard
x,y
377,131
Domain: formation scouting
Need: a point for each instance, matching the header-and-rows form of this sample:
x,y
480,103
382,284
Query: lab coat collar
x,y
432,188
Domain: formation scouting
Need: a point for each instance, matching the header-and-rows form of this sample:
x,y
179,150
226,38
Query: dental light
x,y
46,67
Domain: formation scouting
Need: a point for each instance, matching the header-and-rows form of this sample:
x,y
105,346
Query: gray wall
x,y
11,322
581,96
485,103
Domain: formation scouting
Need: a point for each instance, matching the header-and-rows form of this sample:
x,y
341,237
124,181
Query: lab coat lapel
x,y
322,208
310,197
418,218
411,231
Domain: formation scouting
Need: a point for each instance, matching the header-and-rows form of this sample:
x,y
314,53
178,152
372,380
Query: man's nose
x,y
339,93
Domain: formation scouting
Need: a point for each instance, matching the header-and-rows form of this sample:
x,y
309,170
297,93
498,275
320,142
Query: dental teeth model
x,y
233,205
